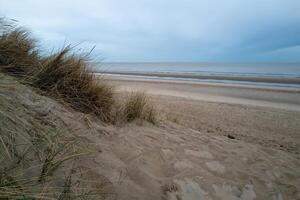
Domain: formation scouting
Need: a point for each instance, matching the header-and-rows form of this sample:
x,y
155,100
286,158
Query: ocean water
x,y
240,69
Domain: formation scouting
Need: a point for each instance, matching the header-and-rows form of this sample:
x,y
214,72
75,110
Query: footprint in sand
x,y
215,166
185,189
228,192
200,154
184,164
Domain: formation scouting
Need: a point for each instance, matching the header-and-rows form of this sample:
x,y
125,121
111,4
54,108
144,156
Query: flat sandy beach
x,y
216,141
214,76
264,115
244,94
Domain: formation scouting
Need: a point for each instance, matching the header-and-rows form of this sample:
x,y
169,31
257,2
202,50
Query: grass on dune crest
x,y
38,159
18,52
64,75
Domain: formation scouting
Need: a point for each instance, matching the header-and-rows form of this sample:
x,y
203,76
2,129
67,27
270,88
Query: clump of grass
x,y
66,76
35,157
40,160
151,115
63,75
18,50
138,106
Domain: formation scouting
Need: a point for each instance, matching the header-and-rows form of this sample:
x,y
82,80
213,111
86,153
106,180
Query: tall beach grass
x,y
64,75
38,161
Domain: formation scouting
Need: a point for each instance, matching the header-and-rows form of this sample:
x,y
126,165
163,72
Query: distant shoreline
x,y
198,76
256,95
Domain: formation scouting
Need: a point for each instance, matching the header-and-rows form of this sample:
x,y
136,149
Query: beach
x,y
207,76
256,114
150,100
195,150
215,140
244,94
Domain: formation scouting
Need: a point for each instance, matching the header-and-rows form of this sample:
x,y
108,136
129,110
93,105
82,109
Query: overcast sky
x,y
167,30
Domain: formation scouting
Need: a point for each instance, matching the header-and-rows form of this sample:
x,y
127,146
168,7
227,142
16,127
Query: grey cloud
x,y
169,30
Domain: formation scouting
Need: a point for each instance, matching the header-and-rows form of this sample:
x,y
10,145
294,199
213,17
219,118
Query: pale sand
x,y
276,97
185,156
193,157
269,116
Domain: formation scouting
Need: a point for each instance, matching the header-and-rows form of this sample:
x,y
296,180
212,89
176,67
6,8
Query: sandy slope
x,y
171,161
262,136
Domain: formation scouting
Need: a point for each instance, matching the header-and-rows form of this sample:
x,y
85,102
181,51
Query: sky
x,y
166,30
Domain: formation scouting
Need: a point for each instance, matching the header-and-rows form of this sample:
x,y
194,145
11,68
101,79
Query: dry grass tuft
x,y
35,157
66,76
138,106
63,75
18,51
41,160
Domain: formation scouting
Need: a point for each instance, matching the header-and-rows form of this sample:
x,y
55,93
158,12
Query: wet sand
x,y
226,77
264,96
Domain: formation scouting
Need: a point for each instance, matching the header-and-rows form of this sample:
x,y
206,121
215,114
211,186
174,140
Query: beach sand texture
x,y
233,142
197,151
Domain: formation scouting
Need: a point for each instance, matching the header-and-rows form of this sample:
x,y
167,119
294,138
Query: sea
x,y
276,70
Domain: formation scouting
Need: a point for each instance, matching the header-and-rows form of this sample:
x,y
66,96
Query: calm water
x,y
247,69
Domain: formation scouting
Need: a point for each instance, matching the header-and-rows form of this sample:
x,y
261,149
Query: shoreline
x,y
285,80
237,84
272,97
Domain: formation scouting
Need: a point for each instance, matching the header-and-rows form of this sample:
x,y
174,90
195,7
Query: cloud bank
x,y
167,30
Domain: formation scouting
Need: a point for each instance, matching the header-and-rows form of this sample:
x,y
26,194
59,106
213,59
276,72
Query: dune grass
x,y
63,75
39,158
66,76
18,50
38,161
138,106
